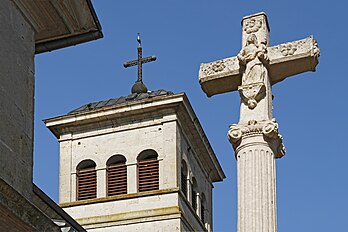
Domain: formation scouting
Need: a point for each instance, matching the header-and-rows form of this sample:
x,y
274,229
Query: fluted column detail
x,y
256,189
256,145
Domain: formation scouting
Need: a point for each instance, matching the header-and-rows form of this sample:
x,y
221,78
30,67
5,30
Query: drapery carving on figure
x,y
253,59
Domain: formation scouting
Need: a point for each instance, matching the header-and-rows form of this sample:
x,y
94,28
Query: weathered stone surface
x,y
19,214
17,97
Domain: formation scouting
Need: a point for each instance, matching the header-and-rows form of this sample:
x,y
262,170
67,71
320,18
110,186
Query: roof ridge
x,y
116,101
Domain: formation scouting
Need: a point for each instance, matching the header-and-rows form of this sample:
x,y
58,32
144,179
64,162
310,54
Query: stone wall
x,y
17,99
99,144
204,186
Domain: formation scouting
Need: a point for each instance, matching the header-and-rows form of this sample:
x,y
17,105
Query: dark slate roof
x,y
134,97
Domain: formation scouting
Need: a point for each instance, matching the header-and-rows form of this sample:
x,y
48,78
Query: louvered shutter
x,y
148,175
116,179
86,184
202,213
184,184
194,200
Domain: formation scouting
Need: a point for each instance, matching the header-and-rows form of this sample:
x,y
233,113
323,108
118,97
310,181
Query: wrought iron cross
x,y
139,87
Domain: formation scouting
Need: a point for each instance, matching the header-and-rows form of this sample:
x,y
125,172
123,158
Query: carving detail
x,y
315,49
218,66
288,49
269,129
213,67
252,25
253,58
251,93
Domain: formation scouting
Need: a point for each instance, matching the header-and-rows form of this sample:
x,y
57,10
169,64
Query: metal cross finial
x,y
139,87
139,40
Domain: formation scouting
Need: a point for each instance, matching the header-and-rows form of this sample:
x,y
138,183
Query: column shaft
x,y
256,189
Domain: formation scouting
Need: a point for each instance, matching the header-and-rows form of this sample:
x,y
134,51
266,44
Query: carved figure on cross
x,y
139,86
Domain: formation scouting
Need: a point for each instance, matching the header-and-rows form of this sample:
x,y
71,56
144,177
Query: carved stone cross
x,y
257,67
255,138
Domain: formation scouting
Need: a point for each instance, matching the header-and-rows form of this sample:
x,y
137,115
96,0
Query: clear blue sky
x,y
311,108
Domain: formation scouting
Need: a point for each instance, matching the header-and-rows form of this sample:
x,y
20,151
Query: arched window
x,y
148,173
86,180
194,194
116,175
184,177
203,208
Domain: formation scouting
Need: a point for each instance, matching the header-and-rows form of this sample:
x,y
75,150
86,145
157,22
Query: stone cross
x,y
255,138
139,86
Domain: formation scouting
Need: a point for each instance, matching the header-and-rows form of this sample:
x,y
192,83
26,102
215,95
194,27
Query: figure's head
x,y
252,39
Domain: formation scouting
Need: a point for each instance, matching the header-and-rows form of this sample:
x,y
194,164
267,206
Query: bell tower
x,y
140,162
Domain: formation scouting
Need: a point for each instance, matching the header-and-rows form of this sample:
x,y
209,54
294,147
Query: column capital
x,y
257,132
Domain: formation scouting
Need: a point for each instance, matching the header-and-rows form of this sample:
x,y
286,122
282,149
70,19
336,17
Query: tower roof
x,y
134,97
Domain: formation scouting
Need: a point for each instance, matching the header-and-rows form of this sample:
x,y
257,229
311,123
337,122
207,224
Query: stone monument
x,y
255,139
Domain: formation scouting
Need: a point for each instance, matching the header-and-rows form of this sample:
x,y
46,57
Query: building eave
x,y
60,24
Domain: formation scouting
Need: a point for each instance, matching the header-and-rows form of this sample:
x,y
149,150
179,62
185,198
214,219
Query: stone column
x,y
101,180
199,204
132,178
256,146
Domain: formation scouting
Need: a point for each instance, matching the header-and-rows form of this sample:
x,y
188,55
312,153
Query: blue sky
x,y
312,185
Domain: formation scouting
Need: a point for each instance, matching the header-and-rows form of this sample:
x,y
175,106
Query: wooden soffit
x,y
60,23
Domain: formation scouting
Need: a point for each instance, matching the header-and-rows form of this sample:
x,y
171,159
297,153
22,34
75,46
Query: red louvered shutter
x,y
116,179
148,175
86,184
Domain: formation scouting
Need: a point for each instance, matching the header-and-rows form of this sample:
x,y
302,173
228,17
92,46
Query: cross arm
x,y
293,58
130,63
136,62
285,60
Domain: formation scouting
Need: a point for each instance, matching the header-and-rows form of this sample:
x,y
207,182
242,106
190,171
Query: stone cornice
x,y
132,217
119,197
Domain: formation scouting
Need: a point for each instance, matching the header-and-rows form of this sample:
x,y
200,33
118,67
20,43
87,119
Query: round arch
x,y
86,164
148,170
116,175
86,180
116,159
148,154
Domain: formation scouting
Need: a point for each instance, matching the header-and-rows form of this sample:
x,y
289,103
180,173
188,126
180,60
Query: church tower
x,y
136,163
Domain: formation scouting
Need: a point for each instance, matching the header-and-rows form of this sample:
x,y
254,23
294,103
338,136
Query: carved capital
x,y
268,129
